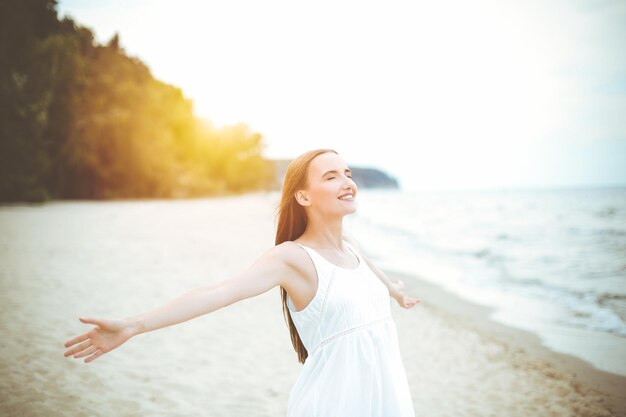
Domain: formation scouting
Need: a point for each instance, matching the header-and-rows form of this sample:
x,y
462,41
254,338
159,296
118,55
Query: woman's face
x,y
329,178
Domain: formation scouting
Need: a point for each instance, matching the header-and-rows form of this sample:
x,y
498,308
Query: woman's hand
x,y
403,300
407,302
106,336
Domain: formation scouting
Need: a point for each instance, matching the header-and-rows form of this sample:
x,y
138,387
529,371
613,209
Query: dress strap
x,y
353,250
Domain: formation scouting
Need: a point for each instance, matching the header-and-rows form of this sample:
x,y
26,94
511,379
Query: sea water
x,y
552,261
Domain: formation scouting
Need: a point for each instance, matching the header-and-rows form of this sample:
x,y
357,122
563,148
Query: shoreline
x,y
476,317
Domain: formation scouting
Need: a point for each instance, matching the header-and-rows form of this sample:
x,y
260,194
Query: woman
x,y
335,301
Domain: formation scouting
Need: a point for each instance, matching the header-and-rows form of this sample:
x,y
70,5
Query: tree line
x,y
82,120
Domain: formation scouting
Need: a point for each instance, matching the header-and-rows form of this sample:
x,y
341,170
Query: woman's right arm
x,y
271,269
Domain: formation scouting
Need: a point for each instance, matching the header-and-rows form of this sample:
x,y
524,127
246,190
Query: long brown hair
x,y
292,222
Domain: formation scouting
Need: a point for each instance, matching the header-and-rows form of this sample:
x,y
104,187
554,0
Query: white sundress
x,y
354,367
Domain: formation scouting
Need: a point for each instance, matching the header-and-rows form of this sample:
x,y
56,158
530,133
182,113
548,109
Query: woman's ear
x,y
302,198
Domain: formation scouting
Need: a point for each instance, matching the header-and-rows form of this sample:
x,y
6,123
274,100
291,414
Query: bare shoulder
x,y
293,260
289,253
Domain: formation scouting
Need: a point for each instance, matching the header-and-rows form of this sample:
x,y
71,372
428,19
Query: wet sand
x,y
529,374
62,260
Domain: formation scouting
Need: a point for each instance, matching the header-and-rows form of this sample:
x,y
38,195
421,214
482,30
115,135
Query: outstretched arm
x,y
394,287
266,273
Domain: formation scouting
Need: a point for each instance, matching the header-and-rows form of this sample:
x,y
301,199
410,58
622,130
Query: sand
x,y
61,260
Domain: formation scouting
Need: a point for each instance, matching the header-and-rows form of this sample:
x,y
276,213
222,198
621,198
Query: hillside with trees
x,y
79,120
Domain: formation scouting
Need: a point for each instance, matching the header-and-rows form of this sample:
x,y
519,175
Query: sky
x,y
445,94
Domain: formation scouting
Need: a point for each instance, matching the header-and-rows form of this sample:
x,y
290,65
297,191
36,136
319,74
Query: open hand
x,y
406,301
106,336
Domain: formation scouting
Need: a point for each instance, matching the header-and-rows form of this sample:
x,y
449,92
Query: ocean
x,y
551,261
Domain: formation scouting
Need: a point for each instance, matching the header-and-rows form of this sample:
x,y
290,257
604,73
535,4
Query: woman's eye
x,y
330,178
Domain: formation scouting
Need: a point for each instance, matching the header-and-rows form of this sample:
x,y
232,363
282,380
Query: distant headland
x,y
364,177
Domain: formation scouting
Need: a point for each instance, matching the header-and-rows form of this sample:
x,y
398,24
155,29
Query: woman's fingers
x,y
86,352
78,348
86,340
85,335
94,356
77,339
91,321
411,302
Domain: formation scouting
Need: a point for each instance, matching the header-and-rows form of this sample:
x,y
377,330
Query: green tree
x,y
81,120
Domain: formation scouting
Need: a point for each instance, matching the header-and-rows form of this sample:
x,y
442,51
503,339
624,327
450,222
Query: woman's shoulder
x,y
290,253
299,267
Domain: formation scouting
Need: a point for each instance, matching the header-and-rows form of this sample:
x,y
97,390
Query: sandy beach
x,y
63,260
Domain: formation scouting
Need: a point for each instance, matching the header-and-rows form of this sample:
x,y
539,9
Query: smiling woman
x,y
340,321
336,303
